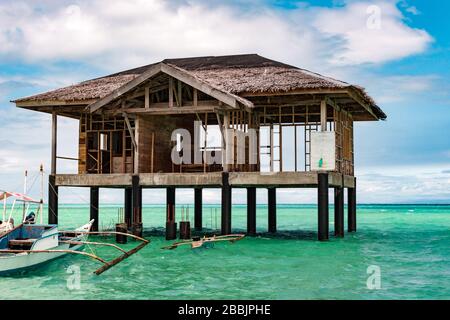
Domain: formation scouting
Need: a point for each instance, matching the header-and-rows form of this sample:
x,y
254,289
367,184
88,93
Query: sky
x,y
398,50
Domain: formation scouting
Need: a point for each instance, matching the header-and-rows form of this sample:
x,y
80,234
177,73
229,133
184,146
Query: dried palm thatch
x,y
237,74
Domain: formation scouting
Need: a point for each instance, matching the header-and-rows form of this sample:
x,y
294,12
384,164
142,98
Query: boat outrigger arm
x,y
199,242
106,264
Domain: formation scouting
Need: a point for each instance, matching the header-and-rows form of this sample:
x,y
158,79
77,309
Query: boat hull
x,y
14,263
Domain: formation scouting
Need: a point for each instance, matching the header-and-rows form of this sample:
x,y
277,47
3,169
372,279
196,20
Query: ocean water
x,y
408,244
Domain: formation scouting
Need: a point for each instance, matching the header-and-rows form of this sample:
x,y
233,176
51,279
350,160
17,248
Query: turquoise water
x,y
409,243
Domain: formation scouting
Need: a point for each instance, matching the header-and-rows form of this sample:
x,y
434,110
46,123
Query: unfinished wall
x,y
153,138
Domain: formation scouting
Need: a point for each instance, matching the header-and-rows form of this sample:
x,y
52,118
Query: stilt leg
x,y
136,228
351,209
339,212
94,207
323,207
272,208
128,207
52,200
198,209
251,211
226,205
171,226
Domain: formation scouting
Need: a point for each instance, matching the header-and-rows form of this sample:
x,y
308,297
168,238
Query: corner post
x,y
54,142
52,200
272,209
251,210
52,188
323,207
171,226
352,208
339,212
94,207
226,205
198,209
136,227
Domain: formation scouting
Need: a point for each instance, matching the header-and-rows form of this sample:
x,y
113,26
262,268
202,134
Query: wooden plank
x,y
170,92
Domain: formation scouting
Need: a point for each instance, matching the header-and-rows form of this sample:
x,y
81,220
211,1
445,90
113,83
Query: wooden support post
x,y
128,207
226,205
195,97
170,92
54,142
339,212
52,200
323,115
179,93
147,98
251,210
351,193
171,226
136,227
198,214
93,207
272,209
323,207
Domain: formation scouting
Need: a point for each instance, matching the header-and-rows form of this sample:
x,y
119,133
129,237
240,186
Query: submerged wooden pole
x,y
339,212
52,200
323,207
171,226
351,193
226,205
93,208
198,214
251,210
272,209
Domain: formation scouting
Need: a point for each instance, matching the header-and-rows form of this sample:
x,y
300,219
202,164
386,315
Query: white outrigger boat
x,y
30,244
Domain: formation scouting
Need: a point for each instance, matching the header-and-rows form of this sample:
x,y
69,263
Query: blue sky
x,y
404,64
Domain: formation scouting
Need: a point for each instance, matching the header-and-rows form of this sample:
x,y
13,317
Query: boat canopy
x,y
18,196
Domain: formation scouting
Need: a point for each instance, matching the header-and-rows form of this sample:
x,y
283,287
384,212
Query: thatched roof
x,y
238,75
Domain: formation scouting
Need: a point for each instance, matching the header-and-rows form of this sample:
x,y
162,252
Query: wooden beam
x,y
130,130
153,70
172,110
227,98
323,115
195,97
147,97
180,93
355,96
55,103
170,92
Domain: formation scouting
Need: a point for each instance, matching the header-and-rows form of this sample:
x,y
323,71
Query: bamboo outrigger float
x,y
198,242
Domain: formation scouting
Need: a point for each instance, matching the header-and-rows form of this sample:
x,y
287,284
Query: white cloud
x,y
405,184
119,34
370,32
399,88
